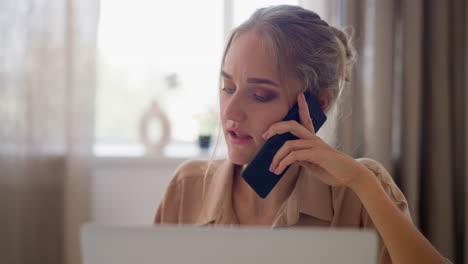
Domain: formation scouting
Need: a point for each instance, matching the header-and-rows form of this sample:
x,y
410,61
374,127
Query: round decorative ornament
x,y
154,114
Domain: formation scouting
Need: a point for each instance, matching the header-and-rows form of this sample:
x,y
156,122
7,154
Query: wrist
x,y
364,182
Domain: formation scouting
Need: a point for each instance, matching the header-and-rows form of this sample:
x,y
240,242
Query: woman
x,y
269,62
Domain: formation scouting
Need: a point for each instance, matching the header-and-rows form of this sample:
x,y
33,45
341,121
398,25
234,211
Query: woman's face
x,y
252,96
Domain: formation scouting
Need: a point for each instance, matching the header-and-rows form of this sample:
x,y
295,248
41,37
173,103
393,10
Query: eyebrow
x,y
252,80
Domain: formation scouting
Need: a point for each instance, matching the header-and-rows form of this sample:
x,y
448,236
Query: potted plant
x,y
207,123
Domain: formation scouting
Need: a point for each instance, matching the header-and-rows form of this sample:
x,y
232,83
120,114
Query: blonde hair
x,y
318,55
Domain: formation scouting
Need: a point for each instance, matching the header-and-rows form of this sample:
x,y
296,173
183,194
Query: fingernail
x,y
277,171
271,168
265,135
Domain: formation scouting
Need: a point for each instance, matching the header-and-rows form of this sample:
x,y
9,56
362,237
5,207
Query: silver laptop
x,y
214,245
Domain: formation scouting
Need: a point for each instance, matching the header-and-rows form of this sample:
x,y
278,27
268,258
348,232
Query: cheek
x,y
222,105
260,115
268,118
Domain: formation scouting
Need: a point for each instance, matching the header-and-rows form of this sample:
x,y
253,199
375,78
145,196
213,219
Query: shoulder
x,y
182,201
392,191
388,184
193,170
378,170
349,208
386,181
190,169
374,166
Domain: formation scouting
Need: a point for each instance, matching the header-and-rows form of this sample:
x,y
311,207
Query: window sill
x,y
133,155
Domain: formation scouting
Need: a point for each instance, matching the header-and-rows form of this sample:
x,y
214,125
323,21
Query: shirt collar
x,y
218,191
310,196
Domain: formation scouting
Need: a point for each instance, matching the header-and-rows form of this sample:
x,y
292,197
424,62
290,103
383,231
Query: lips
x,y
238,136
238,132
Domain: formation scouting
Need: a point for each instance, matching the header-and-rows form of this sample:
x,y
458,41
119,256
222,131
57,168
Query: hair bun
x,y
348,50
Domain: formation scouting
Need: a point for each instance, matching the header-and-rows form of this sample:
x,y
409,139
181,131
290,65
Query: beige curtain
x,y
46,127
407,105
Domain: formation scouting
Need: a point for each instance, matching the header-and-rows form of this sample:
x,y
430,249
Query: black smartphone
x,y
257,173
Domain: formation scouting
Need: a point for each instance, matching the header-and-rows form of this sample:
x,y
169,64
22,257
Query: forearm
x,y
404,242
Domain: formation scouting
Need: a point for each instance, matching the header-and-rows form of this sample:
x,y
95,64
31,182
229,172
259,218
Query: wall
x,y
127,190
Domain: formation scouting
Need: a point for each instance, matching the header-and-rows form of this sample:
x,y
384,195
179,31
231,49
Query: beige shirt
x,y
198,199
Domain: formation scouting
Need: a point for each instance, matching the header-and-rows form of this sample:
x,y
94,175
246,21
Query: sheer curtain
x,y
407,105
46,113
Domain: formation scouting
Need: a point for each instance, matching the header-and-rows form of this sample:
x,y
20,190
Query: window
x,y
167,52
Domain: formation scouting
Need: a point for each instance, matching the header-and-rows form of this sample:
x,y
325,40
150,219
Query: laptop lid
x,y
210,245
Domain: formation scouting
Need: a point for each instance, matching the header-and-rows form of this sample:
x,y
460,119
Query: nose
x,y
234,108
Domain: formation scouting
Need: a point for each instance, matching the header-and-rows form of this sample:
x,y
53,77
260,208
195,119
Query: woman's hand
x,y
310,151
336,168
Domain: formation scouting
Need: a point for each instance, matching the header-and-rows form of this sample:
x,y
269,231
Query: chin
x,y
239,159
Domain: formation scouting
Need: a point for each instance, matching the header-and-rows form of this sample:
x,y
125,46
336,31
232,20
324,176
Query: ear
x,y
325,99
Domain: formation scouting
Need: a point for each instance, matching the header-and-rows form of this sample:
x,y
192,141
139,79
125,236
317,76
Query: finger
x,y
309,155
288,126
304,115
288,147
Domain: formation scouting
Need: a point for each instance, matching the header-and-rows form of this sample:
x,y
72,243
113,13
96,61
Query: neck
x,y
245,197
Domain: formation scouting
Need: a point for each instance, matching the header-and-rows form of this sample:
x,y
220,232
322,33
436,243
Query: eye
x,y
262,98
228,90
